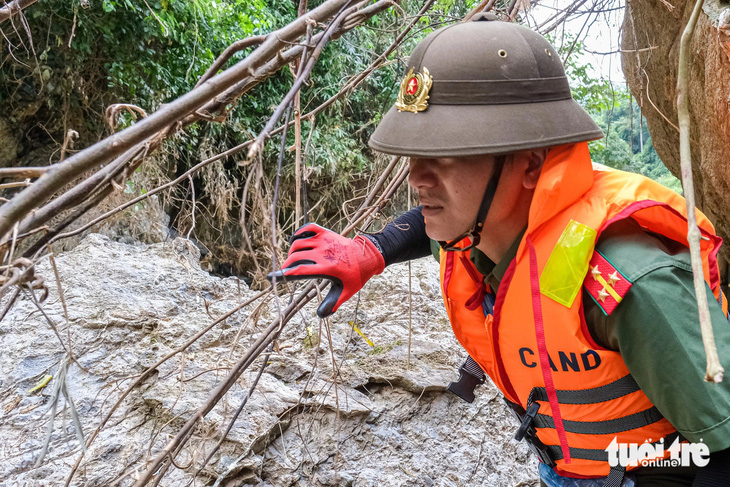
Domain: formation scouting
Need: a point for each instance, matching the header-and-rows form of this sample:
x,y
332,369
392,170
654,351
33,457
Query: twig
x,y
227,54
192,212
388,192
61,388
22,172
284,58
715,370
563,16
78,193
19,184
11,301
254,172
68,141
51,323
112,111
105,150
305,173
61,295
484,6
264,340
410,295
14,8
648,97
276,191
154,367
298,127
236,414
22,272
159,20
265,134
297,159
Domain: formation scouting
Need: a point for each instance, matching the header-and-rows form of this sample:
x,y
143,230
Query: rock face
x,y
651,39
382,422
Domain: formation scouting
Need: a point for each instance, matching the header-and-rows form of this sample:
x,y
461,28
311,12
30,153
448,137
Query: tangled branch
x,y
14,8
259,65
715,370
105,150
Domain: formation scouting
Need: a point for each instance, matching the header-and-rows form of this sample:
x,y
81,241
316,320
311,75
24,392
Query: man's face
x,y
450,190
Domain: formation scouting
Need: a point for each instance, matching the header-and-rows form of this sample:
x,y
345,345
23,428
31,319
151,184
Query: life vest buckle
x,y
526,428
470,376
538,448
527,431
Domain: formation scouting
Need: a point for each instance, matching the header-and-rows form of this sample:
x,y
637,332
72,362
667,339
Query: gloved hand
x,y
320,253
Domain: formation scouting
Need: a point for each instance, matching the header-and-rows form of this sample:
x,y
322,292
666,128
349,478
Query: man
x,y
569,286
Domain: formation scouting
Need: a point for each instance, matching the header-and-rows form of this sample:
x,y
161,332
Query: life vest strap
x,y
615,477
530,420
612,426
598,455
618,388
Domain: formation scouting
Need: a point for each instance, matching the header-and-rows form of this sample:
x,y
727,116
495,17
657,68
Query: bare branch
x,y
105,150
22,172
261,139
151,369
287,57
80,192
715,370
484,6
13,8
227,54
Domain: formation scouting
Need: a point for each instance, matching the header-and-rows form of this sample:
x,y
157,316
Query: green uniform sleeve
x,y
657,331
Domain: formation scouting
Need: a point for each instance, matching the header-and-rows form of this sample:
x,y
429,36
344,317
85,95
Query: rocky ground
x,y
384,421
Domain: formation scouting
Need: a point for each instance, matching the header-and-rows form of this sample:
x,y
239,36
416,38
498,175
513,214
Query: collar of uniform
x,y
495,272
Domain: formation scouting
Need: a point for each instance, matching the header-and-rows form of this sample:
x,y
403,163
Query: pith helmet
x,y
482,87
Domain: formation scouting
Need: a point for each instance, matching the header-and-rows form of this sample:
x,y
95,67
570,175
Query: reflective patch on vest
x,y
567,265
606,285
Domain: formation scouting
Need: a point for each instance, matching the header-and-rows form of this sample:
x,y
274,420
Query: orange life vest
x,y
538,351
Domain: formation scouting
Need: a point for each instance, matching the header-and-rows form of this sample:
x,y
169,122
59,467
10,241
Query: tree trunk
x,y
652,78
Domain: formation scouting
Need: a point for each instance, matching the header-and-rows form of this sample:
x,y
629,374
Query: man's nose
x,y
421,174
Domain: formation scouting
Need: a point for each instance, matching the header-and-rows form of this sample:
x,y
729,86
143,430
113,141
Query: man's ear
x,y
534,159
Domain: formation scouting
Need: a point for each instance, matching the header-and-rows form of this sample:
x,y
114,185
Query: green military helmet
x,y
482,87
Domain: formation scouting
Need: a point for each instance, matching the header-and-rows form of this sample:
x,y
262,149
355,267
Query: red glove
x,y
320,253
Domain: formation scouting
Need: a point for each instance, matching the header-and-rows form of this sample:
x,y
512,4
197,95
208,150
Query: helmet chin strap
x,y
475,233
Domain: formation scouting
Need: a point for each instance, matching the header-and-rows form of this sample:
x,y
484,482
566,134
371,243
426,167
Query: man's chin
x,y
438,234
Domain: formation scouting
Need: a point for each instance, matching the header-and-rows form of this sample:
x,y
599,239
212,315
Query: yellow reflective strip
x,y
610,290
562,277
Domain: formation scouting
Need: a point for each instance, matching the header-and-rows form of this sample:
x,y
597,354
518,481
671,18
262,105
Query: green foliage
x,y
627,145
76,62
592,93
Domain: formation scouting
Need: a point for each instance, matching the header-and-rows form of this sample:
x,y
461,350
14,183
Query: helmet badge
x,y
413,94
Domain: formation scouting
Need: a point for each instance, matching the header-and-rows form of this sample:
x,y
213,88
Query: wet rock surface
x,y
386,419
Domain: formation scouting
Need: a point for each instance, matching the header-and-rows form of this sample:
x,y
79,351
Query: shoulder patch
x,y
606,285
